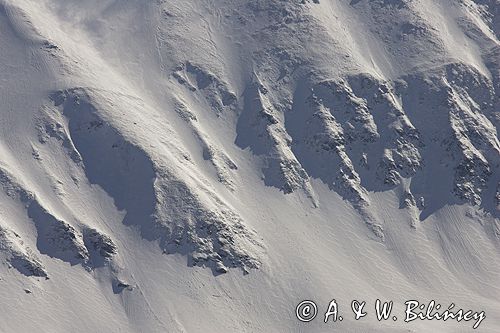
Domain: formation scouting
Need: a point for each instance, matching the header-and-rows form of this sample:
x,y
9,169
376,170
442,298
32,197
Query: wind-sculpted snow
x,y
361,134
329,148
163,206
461,130
20,256
223,164
55,237
260,129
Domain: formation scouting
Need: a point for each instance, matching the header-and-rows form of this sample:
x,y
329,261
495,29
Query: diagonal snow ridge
x,y
154,152
166,208
19,255
358,121
56,238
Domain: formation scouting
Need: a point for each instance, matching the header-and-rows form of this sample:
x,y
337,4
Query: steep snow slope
x,y
190,166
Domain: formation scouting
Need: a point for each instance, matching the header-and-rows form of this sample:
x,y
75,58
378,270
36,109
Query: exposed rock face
x,y
376,100
154,152
100,246
362,134
55,237
157,199
20,256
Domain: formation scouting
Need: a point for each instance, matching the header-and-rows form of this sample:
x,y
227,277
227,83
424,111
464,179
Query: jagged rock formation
x,y
154,198
18,255
55,237
299,141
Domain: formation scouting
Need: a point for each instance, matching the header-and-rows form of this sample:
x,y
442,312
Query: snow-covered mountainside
x,y
206,165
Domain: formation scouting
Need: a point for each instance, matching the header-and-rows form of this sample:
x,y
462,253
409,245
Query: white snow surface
x,y
205,165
